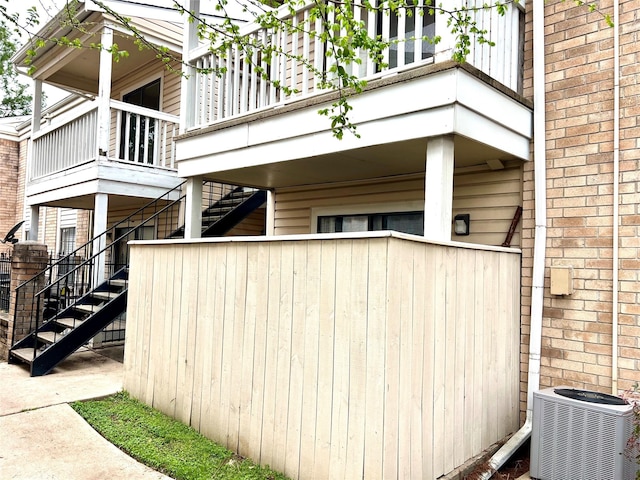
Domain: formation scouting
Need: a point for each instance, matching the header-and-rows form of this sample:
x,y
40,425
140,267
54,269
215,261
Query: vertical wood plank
x,y
248,351
311,352
480,403
417,360
218,272
201,357
450,442
236,356
357,358
283,368
259,359
267,455
228,357
186,352
405,401
392,361
296,377
325,359
206,307
375,370
430,341
156,318
439,361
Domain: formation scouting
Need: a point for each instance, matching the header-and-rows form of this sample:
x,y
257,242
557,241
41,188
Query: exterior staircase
x,y
219,218
61,324
73,326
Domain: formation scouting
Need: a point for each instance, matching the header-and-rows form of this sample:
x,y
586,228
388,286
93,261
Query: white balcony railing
x,y
241,89
136,135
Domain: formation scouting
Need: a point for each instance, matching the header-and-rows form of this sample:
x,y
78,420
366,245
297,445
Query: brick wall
x,y
9,156
577,329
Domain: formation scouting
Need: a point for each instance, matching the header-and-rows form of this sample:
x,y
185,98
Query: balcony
x,y
244,129
242,88
66,155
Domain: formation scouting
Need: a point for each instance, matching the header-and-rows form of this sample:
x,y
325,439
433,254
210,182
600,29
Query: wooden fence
x,y
378,356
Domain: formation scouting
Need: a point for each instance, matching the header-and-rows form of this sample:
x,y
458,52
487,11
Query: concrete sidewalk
x,y
42,438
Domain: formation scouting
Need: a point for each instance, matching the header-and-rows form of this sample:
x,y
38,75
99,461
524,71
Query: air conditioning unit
x,y
580,435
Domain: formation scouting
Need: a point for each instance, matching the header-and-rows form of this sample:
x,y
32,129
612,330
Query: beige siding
x,y
490,197
254,224
330,358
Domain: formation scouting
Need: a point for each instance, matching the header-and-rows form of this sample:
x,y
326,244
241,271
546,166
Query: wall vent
x,y
580,435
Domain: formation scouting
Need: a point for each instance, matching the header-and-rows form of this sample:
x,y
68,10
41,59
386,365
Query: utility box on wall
x,y
561,281
578,434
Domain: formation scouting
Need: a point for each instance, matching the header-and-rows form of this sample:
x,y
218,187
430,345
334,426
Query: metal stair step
x,y
49,337
104,295
24,354
118,282
69,322
83,307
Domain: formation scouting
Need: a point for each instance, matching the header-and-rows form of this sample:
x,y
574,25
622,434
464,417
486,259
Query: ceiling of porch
x,y
82,70
365,163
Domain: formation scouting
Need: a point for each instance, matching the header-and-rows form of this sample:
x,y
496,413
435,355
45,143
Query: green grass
x,y
164,444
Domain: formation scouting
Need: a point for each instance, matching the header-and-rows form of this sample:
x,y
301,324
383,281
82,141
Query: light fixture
x,y
461,224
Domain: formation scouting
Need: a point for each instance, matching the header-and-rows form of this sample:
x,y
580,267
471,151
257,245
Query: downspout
x,y
616,189
539,249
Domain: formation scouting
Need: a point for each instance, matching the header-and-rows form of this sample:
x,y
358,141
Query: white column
x,y
438,188
193,208
35,223
36,108
100,209
270,224
188,82
104,91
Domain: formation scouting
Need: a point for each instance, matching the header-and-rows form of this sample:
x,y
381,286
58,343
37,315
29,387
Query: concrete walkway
x,y
42,438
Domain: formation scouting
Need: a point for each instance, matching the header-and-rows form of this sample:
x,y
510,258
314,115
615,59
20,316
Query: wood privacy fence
x,y
371,356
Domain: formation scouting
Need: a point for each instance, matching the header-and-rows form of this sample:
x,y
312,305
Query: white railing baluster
x,y
306,47
253,86
274,68
318,54
371,31
244,89
127,134
136,145
235,105
418,15
283,64
228,100
295,49
262,94
163,145
401,18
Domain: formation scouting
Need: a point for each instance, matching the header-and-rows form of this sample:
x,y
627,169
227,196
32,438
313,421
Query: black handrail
x,y
81,274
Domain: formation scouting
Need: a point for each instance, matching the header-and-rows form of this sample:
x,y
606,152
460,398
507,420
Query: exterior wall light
x,y
461,224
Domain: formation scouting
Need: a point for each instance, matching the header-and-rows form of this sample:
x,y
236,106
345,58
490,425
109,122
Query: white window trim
x,y
364,209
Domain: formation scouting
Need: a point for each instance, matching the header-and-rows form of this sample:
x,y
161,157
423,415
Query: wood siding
x,y
490,197
347,357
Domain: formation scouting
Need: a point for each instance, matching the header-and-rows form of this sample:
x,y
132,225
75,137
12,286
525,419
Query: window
x,y
406,222
137,131
67,240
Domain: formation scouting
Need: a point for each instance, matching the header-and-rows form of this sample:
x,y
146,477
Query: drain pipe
x,y
539,250
616,199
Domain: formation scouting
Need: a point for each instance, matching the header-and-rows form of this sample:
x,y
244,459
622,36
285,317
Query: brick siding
x,y
577,329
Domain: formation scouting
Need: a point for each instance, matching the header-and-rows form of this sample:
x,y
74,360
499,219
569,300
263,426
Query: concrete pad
x,y
55,443
83,375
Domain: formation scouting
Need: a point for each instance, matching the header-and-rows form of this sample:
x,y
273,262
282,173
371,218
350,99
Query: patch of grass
x,y
164,444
